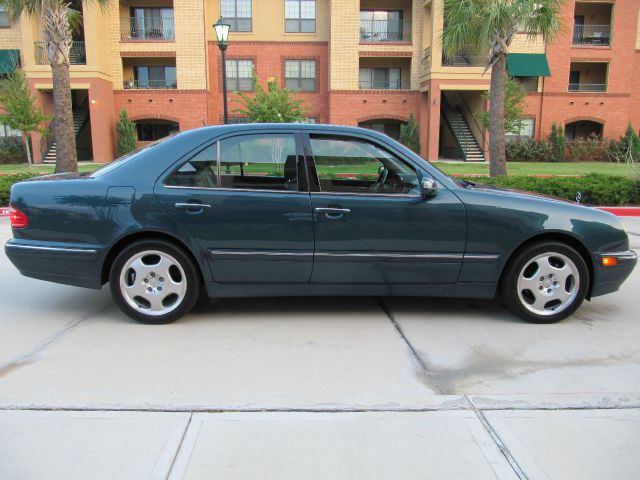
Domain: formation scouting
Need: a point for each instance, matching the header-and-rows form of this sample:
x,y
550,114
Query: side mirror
x,y
428,187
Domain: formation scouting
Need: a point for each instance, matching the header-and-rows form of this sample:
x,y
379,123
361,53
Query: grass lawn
x,y
513,168
21,168
534,168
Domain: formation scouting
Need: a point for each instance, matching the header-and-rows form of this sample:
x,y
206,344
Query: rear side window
x,y
352,165
259,162
199,172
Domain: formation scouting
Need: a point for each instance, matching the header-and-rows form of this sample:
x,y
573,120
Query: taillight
x,y
17,218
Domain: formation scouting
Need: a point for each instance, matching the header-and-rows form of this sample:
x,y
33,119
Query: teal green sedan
x,y
281,210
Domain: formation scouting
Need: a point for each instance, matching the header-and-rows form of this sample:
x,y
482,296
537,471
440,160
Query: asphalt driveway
x,y
315,388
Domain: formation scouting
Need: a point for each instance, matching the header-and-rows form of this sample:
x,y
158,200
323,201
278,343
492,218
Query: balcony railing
x,y
148,28
593,35
587,87
77,54
382,31
149,84
381,85
464,60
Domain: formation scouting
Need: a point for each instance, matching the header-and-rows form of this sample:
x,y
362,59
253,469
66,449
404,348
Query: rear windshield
x,y
124,159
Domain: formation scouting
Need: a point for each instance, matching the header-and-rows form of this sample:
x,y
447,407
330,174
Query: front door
x,y
245,200
372,224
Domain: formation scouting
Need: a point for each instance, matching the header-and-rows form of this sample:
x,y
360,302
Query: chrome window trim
x,y
356,194
288,192
54,249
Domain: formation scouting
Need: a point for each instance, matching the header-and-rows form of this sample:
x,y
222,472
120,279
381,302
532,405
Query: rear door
x,y
372,224
245,199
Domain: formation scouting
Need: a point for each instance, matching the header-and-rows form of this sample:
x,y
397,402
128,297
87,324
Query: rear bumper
x,y
608,279
70,264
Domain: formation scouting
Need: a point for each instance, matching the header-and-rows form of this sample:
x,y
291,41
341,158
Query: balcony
x,y
463,59
77,53
383,85
592,35
383,31
148,29
149,84
588,87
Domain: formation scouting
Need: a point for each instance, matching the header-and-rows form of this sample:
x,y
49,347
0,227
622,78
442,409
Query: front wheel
x,y
154,282
546,282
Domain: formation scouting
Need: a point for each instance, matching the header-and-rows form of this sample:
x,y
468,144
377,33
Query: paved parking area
x,y
315,388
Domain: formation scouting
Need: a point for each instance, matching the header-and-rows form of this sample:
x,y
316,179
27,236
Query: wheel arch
x,y
145,235
562,237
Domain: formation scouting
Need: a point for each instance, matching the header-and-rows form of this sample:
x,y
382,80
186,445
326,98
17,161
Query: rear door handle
x,y
333,213
192,206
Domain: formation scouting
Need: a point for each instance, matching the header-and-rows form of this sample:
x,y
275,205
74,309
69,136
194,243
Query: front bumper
x,y
70,264
608,279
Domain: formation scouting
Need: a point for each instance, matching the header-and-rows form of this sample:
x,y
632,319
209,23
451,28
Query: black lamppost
x,y
222,35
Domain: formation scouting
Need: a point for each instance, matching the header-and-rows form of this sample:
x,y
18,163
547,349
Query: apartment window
x,y
300,16
154,77
527,128
301,75
7,131
381,25
240,75
380,78
150,24
149,131
530,84
5,20
236,13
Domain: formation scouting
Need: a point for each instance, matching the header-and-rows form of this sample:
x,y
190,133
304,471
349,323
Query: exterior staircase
x,y
462,133
80,119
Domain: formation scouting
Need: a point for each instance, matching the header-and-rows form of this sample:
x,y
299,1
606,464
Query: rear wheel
x,y
546,282
154,282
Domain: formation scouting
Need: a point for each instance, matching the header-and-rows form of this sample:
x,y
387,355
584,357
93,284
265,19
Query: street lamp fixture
x,y
222,36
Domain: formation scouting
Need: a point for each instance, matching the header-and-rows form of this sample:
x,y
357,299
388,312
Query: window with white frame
x,y
300,16
525,132
240,75
236,13
300,75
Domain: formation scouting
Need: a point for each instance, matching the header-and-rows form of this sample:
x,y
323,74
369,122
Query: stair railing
x,y
83,108
47,140
470,114
462,143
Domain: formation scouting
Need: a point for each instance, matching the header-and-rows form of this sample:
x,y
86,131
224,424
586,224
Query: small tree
x,y
274,105
627,151
514,95
409,135
22,113
556,139
127,137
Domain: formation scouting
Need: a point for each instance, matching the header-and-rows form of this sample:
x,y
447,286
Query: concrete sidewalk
x,y
314,388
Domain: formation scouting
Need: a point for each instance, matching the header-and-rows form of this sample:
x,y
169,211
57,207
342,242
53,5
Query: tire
x,y
545,282
154,282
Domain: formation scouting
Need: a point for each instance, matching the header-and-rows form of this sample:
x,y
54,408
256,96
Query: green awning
x,y
528,65
9,61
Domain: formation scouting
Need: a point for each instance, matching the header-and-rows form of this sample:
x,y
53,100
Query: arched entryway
x,y
582,129
390,127
152,129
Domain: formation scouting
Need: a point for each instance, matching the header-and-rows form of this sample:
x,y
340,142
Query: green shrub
x,y
596,189
556,139
127,135
528,151
11,150
591,149
409,135
5,185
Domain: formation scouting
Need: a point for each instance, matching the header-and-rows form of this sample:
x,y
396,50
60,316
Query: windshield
x,y
124,159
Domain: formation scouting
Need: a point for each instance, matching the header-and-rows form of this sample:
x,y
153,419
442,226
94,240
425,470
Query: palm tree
x,y
58,20
478,27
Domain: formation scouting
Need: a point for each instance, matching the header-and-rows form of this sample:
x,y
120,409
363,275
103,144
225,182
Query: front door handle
x,y
192,205
333,213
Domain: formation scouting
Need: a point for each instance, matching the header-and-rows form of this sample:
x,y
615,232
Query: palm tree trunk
x,y
66,158
57,36
497,160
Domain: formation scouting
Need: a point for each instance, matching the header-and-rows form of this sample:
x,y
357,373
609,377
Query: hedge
x,y
596,189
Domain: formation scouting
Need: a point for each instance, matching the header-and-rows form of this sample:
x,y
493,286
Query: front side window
x,y
350,165
240,75
200,171
301,75
300,16
259,162
237,13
